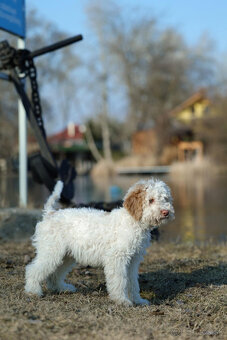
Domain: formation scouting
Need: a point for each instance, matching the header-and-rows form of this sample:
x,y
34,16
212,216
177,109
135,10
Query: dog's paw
x,y
33,290
142,302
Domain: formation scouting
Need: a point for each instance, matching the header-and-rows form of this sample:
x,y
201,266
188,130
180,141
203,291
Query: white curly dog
x,y
116,241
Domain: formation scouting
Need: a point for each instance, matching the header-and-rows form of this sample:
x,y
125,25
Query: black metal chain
x,y
37,108
23,62
20,64
7,54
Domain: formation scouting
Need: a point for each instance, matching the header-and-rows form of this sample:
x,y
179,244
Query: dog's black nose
x,y
165,213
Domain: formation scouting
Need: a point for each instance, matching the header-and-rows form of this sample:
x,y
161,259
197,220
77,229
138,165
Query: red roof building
x,y
72,136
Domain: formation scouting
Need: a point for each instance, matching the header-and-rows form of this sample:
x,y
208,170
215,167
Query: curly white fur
x,y
49,207
117,241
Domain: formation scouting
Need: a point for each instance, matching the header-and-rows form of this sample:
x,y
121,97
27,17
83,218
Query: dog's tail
x,y
49,207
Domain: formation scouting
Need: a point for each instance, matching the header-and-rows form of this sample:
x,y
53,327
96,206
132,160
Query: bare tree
x,y
91,143
93,11
154,68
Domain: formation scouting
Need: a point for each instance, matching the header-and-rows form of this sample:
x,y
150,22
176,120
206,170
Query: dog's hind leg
x,y
56,281
41,267
116,272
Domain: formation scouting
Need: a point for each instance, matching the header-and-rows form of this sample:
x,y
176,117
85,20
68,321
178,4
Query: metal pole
x,y
22,124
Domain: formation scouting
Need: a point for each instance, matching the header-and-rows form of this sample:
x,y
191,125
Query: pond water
x,y
200,202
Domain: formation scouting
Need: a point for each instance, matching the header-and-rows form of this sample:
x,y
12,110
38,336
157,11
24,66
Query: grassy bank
x,y
185,284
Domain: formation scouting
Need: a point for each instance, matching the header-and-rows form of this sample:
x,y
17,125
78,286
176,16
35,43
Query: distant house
x,y
197,106
144,141
69,143
183,119
69,139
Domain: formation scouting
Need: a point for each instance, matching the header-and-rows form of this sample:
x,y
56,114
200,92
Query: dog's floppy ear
x,y
133,202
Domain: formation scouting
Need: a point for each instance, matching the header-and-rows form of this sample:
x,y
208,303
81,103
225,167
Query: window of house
x,y
193,110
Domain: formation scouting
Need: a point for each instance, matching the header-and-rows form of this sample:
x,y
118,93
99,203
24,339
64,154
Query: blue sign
x,y
12,17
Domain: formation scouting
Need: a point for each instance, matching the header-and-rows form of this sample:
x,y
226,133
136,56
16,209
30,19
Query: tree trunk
x,y
104,123
92,146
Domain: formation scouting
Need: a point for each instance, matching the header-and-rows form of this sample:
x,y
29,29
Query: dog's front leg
x,y
133,283
116,272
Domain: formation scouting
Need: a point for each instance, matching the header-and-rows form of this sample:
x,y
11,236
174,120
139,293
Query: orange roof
x,y
71,133
201,94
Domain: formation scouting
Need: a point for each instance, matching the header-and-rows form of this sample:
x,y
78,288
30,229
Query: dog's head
x,y
150,202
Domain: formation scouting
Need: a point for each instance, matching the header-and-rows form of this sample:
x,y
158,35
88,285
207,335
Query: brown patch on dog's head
x,y
133,202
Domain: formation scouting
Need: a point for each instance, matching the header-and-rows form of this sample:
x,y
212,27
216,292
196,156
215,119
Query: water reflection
x,y
200,209
199,202
9,192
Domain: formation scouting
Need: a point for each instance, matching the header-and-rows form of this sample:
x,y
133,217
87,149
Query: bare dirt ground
x,y
187,287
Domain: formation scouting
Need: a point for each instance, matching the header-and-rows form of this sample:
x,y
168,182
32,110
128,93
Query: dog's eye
x,y
151,200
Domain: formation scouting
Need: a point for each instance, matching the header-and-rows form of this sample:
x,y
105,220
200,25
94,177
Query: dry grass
x,y
186,286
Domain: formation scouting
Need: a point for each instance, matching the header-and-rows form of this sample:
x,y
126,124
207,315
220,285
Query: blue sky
x,y
192,18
